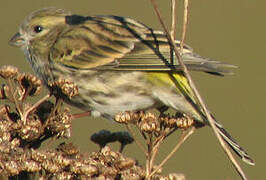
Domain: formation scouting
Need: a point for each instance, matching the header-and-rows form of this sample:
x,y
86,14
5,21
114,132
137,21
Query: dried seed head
x,y
123,117
63,161
108,172
5,136
115,155
168,121
177,121
16,126
88,170
39,156
29,83
68,149
61,124
128,117
15,143
8,71
64,175
12,167
5,125
4,147
184,122
149,123
106,150
125,164
32,166
50,166
32,130
65,86
75,168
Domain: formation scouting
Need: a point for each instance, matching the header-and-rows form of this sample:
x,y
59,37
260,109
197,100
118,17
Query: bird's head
x,y
40,27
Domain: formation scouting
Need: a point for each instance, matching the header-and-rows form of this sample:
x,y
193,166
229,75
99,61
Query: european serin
x,y
117,63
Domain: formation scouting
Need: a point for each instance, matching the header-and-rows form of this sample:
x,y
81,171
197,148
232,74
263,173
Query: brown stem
x,y
185,21
184,136
173,15
25,115
136,140
173,28
155,149
148,157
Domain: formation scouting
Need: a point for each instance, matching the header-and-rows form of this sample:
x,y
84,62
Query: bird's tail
x,y
185,89
234,145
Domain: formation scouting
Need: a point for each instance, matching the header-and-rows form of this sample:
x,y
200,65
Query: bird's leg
x,y
80,115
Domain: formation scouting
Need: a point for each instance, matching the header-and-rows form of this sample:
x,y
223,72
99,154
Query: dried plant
x,y
25,126
155,130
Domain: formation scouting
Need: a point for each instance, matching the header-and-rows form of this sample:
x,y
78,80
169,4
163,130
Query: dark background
x,y
231,31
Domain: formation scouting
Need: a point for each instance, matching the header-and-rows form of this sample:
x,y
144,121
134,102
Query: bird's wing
x,y
117,43
98,42
154,54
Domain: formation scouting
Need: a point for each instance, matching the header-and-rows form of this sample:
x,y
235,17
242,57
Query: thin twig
x,y
25,94
148,157
195,91
155,148
136,140
184,136
24,117
185,21
58,104
173,28
173,15
148,177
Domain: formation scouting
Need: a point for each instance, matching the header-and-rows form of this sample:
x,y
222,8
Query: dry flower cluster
x,y
149,123
155,130
25,126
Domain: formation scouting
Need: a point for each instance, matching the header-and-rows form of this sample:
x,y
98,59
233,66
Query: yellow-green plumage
x,y
117,63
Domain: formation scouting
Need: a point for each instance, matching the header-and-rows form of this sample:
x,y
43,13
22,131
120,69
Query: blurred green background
x,y
231,31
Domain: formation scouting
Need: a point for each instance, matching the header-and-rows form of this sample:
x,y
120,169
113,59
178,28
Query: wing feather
x,y
117,43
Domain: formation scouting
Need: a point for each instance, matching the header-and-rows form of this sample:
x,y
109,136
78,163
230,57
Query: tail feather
x,y
234,145
198,63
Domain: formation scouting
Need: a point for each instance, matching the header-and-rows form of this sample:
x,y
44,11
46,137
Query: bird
x,y
117,63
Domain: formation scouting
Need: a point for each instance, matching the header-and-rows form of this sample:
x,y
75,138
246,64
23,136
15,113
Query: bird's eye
x,y
37,29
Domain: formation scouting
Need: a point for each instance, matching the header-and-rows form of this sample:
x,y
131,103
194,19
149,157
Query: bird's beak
x,y
17,40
